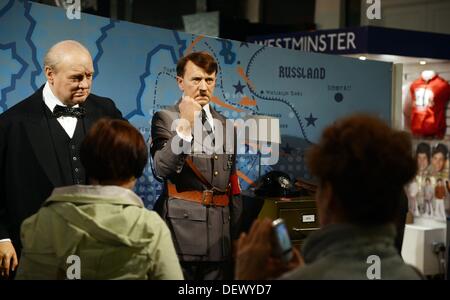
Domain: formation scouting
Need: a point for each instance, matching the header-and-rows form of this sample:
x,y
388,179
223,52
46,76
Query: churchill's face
x,y
71,79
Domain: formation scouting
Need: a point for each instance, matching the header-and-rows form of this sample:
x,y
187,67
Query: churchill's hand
x,y
8,258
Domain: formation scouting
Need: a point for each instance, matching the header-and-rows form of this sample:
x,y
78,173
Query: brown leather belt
x,y
205,197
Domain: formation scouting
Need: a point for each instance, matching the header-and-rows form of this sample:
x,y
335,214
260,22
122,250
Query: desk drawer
x,y
300,222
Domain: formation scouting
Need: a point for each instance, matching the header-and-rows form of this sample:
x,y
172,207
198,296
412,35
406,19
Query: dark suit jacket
x,y
200,233
28,165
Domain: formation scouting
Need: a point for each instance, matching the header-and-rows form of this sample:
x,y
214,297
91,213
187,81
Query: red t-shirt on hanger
x,y
429,104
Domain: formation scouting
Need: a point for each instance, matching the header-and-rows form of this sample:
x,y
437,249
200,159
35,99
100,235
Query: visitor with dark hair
x,y
104,224
362,166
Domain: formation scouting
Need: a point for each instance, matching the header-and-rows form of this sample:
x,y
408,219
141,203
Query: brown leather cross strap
x,y
205,197
200,176
197,173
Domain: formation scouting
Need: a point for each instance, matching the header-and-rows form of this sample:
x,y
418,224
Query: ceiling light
x,y
422,62
362,57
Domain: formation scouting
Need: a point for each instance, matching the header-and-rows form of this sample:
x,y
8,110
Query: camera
x,y
283,245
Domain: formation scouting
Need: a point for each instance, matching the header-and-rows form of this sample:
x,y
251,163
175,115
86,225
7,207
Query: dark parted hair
x,y
113,150
367,165
423,148
201,59
441,148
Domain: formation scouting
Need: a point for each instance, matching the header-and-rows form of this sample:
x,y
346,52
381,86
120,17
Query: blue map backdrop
x,y
135,66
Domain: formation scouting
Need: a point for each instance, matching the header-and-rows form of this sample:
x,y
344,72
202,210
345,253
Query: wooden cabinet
x,y
299,214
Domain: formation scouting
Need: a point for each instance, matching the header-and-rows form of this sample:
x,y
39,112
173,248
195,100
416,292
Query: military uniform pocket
x,y
189,227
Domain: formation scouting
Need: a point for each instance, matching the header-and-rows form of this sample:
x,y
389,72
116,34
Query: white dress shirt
x,y
68,123
209,119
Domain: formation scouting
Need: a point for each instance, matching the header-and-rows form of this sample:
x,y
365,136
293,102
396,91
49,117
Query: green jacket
x,y
345,251
107,227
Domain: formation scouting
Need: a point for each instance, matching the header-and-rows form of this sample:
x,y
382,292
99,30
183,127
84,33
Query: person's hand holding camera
x,y
255,254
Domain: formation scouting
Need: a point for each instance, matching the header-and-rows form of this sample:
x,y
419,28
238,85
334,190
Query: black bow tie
x,y
65,111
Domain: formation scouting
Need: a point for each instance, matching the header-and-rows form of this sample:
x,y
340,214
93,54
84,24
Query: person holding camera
x,y
357,235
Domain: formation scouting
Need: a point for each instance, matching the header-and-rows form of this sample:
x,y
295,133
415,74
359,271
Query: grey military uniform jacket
x,y
200,233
